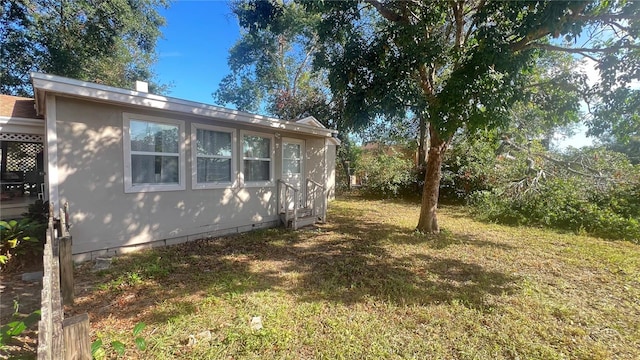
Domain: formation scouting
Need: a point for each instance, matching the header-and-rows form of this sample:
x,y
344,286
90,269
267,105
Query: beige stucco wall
x,y
330,170
91,180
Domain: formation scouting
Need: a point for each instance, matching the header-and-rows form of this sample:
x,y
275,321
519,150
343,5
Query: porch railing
x,y
317,202
312,207
284,192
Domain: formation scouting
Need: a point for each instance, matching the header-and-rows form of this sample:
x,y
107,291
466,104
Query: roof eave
x,y
44,83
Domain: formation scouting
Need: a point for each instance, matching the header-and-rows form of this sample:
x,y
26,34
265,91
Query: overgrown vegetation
x,y
367,286
17,325
386,174
22,241
591,190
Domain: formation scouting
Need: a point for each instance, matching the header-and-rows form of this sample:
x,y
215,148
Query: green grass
x,y
367,286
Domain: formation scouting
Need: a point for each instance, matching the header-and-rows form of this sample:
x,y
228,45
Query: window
x,y
257,156
291,158
213,150
153,154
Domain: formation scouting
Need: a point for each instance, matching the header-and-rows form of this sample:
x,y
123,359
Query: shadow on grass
x,y
345,261
366,272
446,238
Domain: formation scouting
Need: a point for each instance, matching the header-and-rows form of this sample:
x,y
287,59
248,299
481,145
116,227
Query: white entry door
x,y
293,169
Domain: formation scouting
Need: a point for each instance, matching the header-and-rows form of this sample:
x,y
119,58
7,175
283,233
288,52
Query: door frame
x,y
302,143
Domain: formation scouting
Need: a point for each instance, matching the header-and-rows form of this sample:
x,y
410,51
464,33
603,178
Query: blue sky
x,y
193,54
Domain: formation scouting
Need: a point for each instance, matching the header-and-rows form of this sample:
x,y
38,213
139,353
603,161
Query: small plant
x,y
17,327
14,239
98,350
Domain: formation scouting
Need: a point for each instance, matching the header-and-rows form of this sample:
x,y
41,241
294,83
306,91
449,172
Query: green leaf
x,y
141,343
16,328
3,259
95,346
33,318
12,243
138,328
118,347
4,224
13,223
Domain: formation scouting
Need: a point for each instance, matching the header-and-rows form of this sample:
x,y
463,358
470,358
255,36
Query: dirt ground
x,y
26,296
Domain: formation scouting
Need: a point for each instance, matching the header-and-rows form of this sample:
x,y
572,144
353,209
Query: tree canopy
x,y
109,42
464,64
271,63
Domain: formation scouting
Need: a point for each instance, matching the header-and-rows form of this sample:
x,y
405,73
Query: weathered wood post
x,y
66,270
66,257
77,342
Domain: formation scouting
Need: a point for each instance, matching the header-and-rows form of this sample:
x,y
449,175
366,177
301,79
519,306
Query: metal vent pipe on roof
x,y
142,86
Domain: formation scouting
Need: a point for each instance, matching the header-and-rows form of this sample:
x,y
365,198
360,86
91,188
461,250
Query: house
x,y
141,170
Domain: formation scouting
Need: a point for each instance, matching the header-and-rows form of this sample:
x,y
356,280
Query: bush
x,y
386,175
17,242
22,240
469,166
570,204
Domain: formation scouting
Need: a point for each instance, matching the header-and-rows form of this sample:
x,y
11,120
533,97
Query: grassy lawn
x,y
366,286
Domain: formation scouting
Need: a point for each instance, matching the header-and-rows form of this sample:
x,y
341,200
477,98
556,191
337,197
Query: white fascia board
x,y
22,125
333,141
45,83
310,120
13,120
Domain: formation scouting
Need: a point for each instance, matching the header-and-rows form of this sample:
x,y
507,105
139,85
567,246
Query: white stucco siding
x,y
330,159
315,160
91,179
315,169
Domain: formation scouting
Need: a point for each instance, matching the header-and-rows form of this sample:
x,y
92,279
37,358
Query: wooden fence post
x,y
77,343
66,270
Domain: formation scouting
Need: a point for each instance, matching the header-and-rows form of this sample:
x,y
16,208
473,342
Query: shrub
x,y
22,240
17,241
569,204
469,166
386,175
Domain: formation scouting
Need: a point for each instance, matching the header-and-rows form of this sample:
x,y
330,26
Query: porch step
x,y
302,222
304,218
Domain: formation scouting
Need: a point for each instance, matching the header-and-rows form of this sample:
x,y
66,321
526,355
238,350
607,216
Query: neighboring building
x,y
141,170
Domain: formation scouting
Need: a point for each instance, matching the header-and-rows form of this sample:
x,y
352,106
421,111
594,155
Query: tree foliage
x,y
109,42
592,190
464,64
271,62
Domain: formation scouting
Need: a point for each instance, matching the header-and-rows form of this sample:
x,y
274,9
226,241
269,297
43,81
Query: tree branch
x,y
457,7
582,50
567,164
312,49
386,12
540,33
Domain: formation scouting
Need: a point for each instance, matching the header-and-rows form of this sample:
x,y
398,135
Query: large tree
x,y
110,42
271,63
461,65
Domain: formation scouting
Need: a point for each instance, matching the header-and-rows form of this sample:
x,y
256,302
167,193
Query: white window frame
x,y
194,158
129,187
271,160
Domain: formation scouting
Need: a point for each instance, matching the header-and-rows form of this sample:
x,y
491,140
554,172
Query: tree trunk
x,y
422,143
346,165
428,222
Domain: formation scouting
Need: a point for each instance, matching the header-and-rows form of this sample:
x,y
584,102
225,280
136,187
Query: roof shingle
x,y
16,106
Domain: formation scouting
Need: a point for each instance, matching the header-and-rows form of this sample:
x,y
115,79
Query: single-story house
x,y
141,170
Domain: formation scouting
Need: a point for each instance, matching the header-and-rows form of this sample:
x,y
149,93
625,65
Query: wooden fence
x,y
60,338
